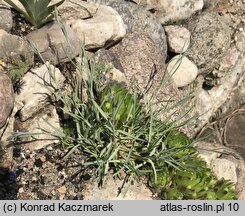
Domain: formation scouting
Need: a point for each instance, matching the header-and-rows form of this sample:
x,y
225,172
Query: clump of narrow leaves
x,y
118,134
37,12
114,130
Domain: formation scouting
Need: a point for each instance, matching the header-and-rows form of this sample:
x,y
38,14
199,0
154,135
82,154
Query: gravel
x,y
44,174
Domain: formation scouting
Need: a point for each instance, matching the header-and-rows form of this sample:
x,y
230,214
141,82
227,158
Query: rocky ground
x,y
215,71
34,174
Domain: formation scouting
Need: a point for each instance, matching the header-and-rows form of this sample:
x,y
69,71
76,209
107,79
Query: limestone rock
x,y
136,191
169,11
95,25
36,89
53,45
211,38
6,98
44,124
137,19
178,38
224,168
14,47
208,151
6,20
208,102
182,70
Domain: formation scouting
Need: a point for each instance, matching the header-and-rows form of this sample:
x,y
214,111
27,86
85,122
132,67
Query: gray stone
x,y
224,168
208,102
52,43
140,59
95,25
6,21
182,70
137,19
37,88
6,98
14,47
43,126
145,71
169,11
211,38
208,151
178,38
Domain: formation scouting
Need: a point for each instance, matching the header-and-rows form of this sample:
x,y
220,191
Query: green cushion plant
x,y
195,181
176,184
119,104
37,12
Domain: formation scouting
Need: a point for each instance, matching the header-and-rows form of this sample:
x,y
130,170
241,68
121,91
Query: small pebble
x,y
22,155
50,148
21,190
43,158
62,189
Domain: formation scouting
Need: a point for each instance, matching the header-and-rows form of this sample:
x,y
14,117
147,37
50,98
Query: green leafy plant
x,y
196,181
185,184
37,12
114,130
118,103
